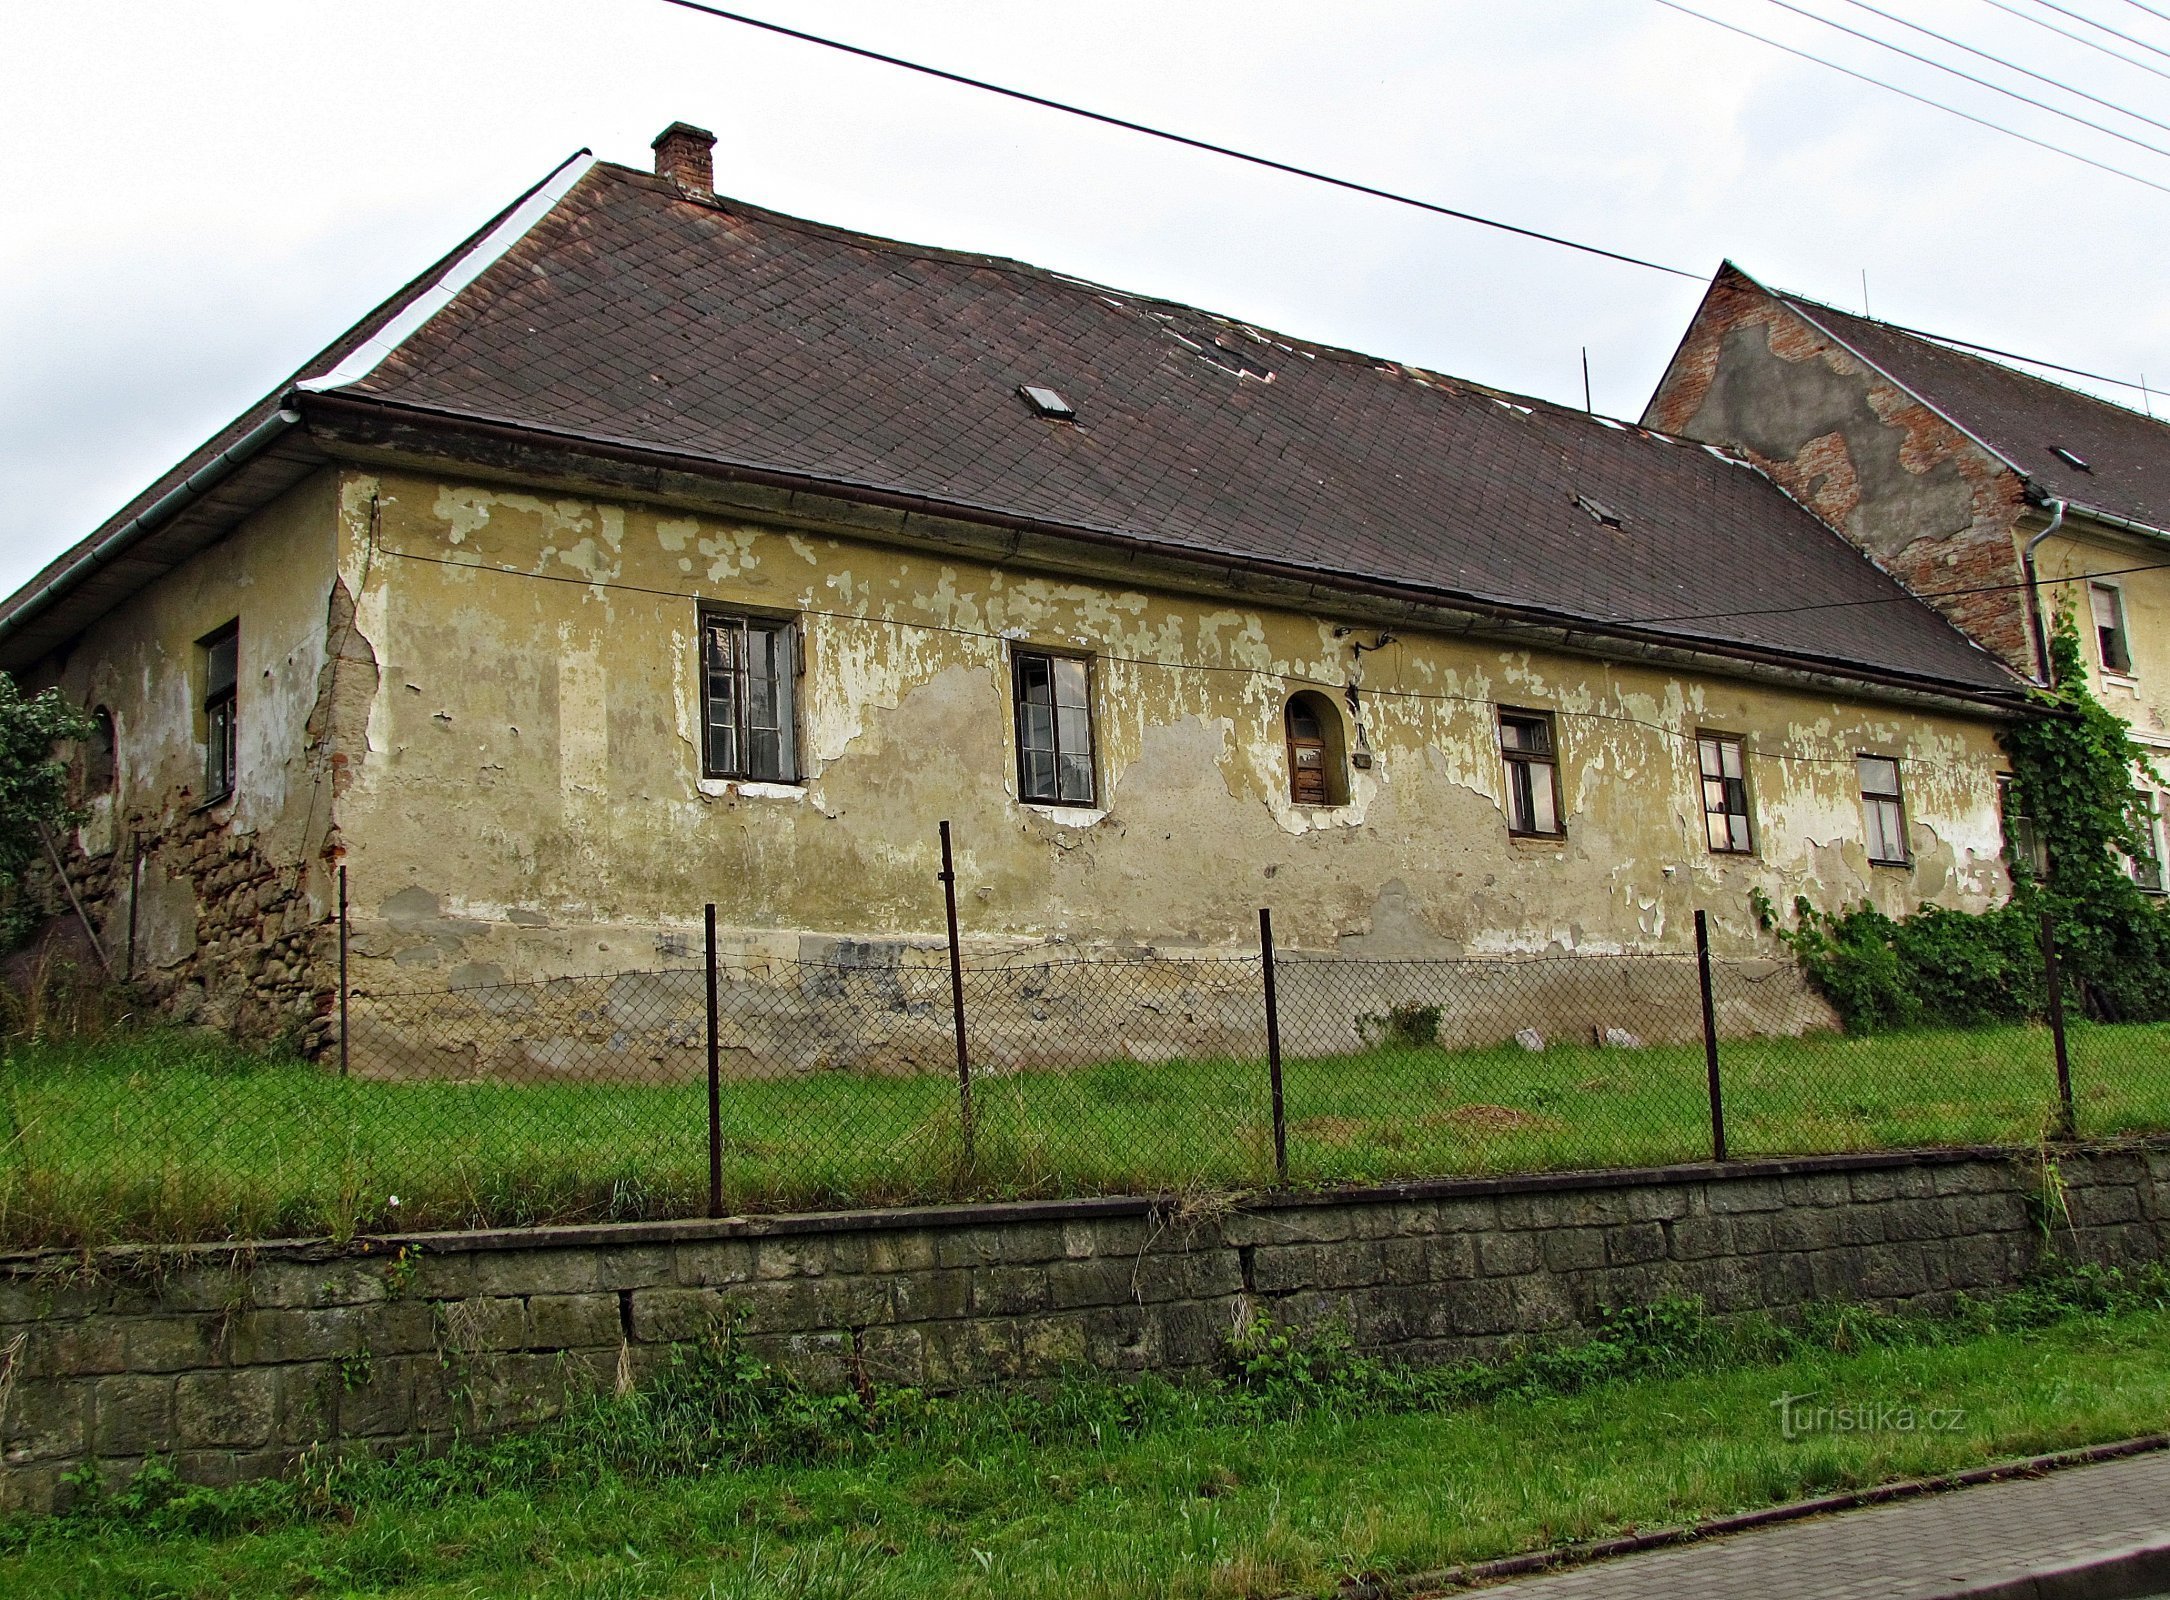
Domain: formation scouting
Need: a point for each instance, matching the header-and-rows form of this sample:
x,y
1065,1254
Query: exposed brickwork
x,y
236,1362
686,155
1824,472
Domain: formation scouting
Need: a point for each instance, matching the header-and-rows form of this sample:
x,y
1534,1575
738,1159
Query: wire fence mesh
x,y
838,1081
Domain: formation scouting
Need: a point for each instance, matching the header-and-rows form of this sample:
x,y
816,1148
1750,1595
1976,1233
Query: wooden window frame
x,y
1706,739
1333,750
221,712
2115,639
1895,798
1516,765
738,765
2147,873
1020,655
2022,838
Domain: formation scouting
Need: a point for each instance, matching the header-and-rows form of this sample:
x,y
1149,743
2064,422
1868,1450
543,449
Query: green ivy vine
x,y
2073,774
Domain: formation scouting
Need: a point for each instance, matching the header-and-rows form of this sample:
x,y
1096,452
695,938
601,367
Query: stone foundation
x,y
235,1360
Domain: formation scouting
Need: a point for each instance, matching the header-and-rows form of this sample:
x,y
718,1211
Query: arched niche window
x,y
1318,761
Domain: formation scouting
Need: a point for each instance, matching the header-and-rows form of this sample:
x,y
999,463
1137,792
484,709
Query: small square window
x,y
1531,754
221,722
1883,809
2108,603
1725,794
749,683
1053,696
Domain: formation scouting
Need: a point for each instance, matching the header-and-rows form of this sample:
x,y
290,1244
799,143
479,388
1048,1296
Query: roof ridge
x,y
1947,347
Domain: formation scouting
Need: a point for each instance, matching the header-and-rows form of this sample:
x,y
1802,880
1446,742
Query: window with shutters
x,y
1318,767
221,723
2111,642
1531,753
749,684
1725,794
1053,696
1883,809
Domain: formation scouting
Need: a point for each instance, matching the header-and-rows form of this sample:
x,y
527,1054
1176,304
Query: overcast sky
x,y
197,195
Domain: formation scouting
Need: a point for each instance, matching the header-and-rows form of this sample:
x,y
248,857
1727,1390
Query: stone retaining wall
x,y
234,1361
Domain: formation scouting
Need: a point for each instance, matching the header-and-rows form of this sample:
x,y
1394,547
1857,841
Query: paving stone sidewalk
x,y
1961,1542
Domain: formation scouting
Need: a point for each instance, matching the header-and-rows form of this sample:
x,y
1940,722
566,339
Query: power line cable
x,y
1851,72
2077,38
1350,184
2011,355
2011,66
2081,16
2150,10
1960,73
1162,664
1119,122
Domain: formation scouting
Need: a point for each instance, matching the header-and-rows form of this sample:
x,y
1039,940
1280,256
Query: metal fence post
x,y
135,893
1273,1046
2067,1123
715,1079
342,971
1710,1036
956,998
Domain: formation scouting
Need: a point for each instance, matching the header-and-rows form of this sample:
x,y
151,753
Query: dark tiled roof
x,y
2022,417
633,314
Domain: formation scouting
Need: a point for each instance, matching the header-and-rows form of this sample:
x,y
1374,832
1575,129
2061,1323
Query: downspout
x,y
2034,593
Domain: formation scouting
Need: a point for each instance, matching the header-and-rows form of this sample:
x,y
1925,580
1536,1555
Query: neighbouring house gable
x,y
1921,495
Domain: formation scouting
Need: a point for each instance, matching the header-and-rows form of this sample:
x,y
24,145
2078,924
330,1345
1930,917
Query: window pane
x,y
1716,830
764,755
1038,776
1077,778
1544,816
1887,834
1730,753
1073,731
1532,735
1036,728
2106,607
222,658
1879,775
1035,680
1714,795
1740,833
1069,682
1706,754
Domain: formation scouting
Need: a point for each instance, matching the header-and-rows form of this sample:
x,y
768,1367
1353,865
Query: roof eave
x,y
525,452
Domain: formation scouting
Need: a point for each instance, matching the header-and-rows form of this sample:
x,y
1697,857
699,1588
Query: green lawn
x,y
1101,1493
171,1136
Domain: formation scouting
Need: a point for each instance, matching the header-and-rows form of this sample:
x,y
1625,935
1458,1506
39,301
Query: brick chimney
x,y
686,154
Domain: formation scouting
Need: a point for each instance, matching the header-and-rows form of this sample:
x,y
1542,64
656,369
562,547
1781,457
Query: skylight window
x,y
2070,458
1600,513
1047,402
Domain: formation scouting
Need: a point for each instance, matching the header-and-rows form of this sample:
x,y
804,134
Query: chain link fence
x,y
889,1074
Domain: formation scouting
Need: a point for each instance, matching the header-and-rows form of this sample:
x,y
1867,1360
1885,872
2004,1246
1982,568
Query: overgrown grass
x,y
1301,1465
166,1136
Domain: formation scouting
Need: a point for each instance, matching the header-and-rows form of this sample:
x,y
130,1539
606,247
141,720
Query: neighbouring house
x,y
1997,496
655,549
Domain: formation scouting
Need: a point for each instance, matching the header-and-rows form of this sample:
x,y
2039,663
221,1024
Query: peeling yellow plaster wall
x,y
2141,696
533,761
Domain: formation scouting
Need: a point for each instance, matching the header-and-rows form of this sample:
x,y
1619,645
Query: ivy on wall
x,y
2073,775
33,791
